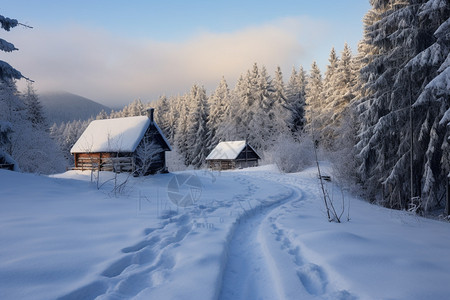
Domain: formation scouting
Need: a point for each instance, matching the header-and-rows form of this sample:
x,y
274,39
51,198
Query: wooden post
x,y
411,150
447,207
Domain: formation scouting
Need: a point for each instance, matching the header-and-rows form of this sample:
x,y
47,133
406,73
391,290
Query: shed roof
x,y
227,150
114,135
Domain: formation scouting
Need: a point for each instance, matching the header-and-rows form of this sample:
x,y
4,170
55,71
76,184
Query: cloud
x,y
115,69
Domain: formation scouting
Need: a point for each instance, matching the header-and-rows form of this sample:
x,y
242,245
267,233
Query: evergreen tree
x,y
400,62
228,129
172,117
11,112
339,97
6,71
314,103
162,111
295,95
261,126
327,98
329,79
238,123
135,108
196,130
102,115
248,94
181,138
219,104
35,113
431,69
280,107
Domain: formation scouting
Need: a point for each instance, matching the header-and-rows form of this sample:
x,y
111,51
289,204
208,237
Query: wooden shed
x,y
132,144
232,155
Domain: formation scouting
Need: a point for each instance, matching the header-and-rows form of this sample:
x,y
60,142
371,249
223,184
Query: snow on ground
x,y
248,234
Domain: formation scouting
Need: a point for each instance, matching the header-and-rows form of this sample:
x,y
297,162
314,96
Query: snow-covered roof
x,y
114,135
227,150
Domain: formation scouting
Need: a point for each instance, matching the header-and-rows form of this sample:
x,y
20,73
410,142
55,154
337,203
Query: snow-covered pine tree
x,y
102,115
396,73
237,125
261,127
162,111
35,110
197,126
180,137
135,108
295,95
314,103
383,117
228,129
280,108
11,109
247,93
219,106
344,154
330,77
431,69
30,143
172,117
6,70
339,98
10,104
66,135
327,98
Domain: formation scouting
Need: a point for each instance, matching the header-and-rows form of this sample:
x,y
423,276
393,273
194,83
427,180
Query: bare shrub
x,y
291,155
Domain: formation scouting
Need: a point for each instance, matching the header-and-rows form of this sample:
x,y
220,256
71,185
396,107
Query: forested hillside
x,y
380,112
65,107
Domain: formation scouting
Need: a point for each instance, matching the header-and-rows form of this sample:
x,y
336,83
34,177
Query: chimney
x,y
150,112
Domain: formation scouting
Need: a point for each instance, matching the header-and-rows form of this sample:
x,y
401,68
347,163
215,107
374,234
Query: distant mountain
x,y
63,107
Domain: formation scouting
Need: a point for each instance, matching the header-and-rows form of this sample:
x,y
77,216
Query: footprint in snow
x,y
89,291
141,245
312,278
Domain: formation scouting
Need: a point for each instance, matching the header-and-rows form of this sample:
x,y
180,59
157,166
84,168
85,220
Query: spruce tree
x,y
314,102
324,119
35,113
400,61
197,127
295,98
7,72
280,109
180,136
339,97
219,105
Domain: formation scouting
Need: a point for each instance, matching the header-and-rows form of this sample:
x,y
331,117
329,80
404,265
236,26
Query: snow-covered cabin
x,y
232,155
132,144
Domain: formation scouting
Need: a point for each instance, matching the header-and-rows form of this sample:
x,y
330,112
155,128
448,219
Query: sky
x,y
115,51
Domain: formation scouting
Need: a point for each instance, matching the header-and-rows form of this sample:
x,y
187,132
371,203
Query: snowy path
x,y
249,273
264,262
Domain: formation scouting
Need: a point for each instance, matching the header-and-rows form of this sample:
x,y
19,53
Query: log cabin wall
x,y
104,161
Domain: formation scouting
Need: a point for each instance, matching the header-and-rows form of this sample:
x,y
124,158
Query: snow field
x,y
251,234
379,254
75,241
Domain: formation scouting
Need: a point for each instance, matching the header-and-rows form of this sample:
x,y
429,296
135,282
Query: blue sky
x,y
117,51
